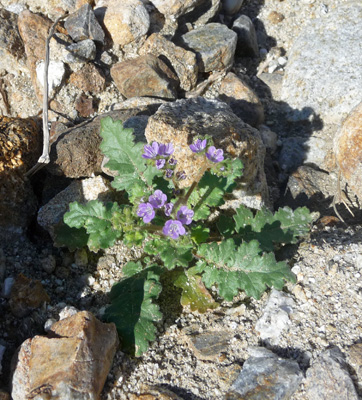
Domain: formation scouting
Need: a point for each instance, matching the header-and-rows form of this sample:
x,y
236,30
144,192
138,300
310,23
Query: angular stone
x,y
20,144
266,376
84,105
355,358
26,294
175,8
89,79
33,30
247,45
208,345
183,62
321,71
84,50
231,7
201,15
83,25
184,120
328,378
11,45
348,150
214,45
125,20
56,72
242,99
275,318
145,76
71,363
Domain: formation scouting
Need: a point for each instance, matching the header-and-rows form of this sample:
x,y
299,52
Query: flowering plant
x,y
183,232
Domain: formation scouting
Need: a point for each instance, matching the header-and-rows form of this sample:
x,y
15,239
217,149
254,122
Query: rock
x,y
276,17
355,358
275,318
11,45
214,45
26,294
182,121
208,345
242,99
292,153
328,378
154,393
84,50
84,106
89,79
247,45
175,8
83,25
56,72
2,351
33,30
4,395
76,152
201,15
321,70
125,20
51,214
135,102
71,363
183,62
269,138
266,376
145,76
20,143
348,150
231,7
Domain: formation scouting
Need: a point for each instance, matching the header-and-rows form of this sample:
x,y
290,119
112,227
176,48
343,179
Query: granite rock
x,y
84,105
84,50
321,70
89,79
214,45
56,73
183,61
247,45
145,76
71,363
175,8
242,99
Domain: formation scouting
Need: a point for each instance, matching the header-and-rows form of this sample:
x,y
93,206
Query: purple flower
x,y
184,215
198,146
169,173
214,155
173,229
157,199
146,211
172,161
160,163
165,150
151,151
180,175
168,209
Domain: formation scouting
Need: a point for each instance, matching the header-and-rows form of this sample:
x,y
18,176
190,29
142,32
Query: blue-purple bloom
x,y
165,150
215,155
168,209
180,175
173,229
198,146
151,151
172,161
169,173
146,211
184,215
160,163
157,199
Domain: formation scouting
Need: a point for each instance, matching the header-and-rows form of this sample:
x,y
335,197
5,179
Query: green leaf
x,y
132,268
125,157
241,268
283,227
171,253
225,225
96,218
73,238
133,311
194,293
199,234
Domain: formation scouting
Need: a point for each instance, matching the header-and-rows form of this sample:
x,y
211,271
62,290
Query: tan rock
x,y
145,76
33,29
348,150
72,362
176,7
89,79
125,20
183,61
242,99
26,294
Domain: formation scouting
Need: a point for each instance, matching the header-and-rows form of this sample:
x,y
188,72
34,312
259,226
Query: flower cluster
x,y
213,154
161,154
173,227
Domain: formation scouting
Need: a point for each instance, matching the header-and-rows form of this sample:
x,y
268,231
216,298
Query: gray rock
x,y
321,72
83,25
175,8
265,376
208,345
145,76
231,7
328,378
247,41
292,154
84,50
275,318
214,45
201,15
